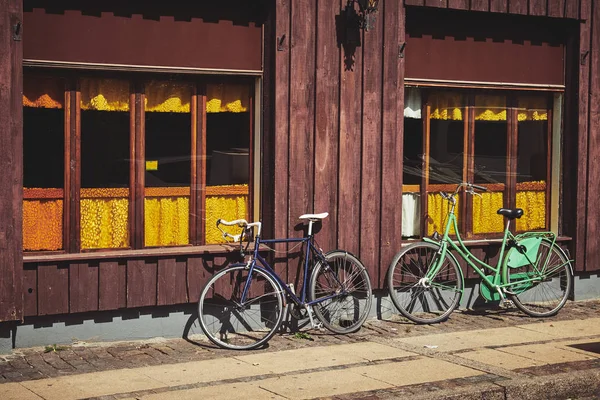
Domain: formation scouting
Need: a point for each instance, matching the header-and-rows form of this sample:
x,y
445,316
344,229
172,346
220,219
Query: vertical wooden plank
x,y
326,120
197,276
499,6
53,289
83,287
73,175
171,282
517,7
198,191
556,8
112,286
11,163
302,98
572,8
458,4
414,2
282,126
30,292
592,259
140,168
251,154
480,5
132,166
141,283
370,193
436,3
510,192
426,114
193,219
393,19
67,203
349,174
537,7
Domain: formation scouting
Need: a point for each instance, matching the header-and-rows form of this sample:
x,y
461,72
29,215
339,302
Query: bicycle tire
x,y
350,305
546,297
421,304
232,325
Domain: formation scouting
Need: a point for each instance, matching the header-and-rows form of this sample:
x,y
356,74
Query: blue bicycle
x,y
244,305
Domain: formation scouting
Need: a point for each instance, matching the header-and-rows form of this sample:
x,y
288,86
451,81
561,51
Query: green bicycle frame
x,y
496,282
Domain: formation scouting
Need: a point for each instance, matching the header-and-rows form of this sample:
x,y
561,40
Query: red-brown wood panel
x,y
413,2
592,261
112,285
480,5
517,6
348,222
370,193
499,6
537,7
556,8
172,281
572,8
53,289
11,163
392,136
30,292
436,3
302,116
326,120
282,125
141,283
458,4
83,287
197,276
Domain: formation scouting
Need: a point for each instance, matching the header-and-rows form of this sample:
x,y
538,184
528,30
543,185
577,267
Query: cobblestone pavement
x,y
37,363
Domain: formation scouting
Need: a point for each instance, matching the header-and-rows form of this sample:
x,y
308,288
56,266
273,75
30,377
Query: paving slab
x,y
567,329
455,341
203,371
235,391
500,359
416,371
16,391
324,356
572,345
322,384
93,384
545,353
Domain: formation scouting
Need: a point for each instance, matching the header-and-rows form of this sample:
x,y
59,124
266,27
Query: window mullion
x,y
511,151
199,173
139,166
73,170
426,113
470,162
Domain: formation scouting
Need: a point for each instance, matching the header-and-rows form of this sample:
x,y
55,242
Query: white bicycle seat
x,y
314,217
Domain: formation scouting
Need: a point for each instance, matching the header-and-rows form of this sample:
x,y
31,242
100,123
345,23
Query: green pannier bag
x,y
527,253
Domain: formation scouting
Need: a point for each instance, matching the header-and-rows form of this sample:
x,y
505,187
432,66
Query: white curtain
x,y
412,103
411,211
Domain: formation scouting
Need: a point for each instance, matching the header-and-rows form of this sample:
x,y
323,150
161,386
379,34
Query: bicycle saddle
x,y
314,217
511,213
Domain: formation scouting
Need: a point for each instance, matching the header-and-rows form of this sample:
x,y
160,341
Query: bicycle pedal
x,y
506,304
315,324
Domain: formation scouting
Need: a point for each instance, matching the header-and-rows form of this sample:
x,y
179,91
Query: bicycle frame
x,y
462,250
311,252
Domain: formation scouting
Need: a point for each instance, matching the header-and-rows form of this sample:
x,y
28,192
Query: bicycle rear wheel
x,y
231,324
424,302
344,287
550,285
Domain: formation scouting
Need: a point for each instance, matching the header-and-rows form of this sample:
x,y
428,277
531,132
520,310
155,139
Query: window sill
x,y
120,254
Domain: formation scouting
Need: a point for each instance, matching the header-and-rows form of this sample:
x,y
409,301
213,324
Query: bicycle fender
x,y
570,262
449,253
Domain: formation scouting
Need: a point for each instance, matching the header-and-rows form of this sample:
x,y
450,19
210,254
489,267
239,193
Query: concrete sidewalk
x,y
521,358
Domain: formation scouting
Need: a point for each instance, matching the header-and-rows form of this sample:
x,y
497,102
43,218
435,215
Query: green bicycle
x,y
533,273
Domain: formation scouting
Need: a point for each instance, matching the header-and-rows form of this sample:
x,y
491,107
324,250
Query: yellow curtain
x,y
228,202
227,98
490,108
104,94
166,221
104,218
446,106
42,224
485,217
532,108
437,210
43,92
164,96
531,197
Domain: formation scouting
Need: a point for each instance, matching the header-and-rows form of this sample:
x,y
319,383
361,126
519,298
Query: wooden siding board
x,y
480,5
171,282
537,7
370,194
458,4
414,2
141,283
499,6
592,261
282,127
572,8
392,137
83,287
199,271
112,288
11,163
326,122
436,3
30,291
517,7
556,8
53,289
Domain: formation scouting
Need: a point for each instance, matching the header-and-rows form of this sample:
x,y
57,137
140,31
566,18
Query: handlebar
x,y
242,223
469,188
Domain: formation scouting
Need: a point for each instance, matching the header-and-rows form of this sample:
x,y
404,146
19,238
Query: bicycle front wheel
x,y
232,323
342,289
418,299
541,291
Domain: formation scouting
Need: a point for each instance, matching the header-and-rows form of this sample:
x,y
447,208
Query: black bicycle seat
x,y
511,213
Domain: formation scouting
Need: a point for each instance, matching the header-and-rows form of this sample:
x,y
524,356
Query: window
x,y
160,158
496,139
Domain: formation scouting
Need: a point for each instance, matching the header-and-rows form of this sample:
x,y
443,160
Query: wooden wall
x,y
11,162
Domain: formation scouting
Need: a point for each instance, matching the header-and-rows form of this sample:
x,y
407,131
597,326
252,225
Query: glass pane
x,y
105,182
43,162
491,130
168,163
532,161
228,125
